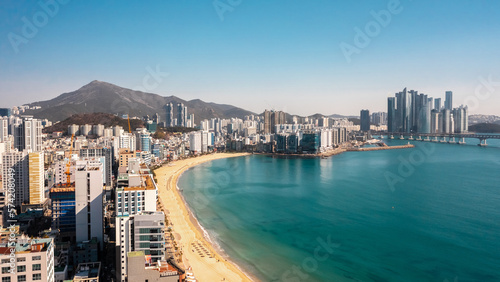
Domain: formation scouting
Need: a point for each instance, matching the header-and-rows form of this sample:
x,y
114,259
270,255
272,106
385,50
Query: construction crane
x,y
68,164
129,130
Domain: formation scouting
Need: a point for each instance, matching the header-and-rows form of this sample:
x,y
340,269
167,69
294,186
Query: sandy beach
x,y
198,253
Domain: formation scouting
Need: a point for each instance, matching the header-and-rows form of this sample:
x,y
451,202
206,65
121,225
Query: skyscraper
x,y
170,115
182,115
15,166
411,112
404,120
423,116
391,114
273,118
267,122
448,103
36,178
5,112
460,117
446,120
28,135
365,120
437,104
4,129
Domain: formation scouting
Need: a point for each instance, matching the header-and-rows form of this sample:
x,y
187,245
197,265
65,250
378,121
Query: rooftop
x,y
26,245
87,270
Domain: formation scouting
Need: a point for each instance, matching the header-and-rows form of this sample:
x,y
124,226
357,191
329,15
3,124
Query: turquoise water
x,y
431,213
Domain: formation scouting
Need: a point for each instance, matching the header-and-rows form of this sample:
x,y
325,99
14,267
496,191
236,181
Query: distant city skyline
x,y
256,55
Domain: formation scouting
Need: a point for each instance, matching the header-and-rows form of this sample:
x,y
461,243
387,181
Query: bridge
x,y
458,138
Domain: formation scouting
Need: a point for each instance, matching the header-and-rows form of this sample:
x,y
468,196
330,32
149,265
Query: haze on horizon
x,y
284,55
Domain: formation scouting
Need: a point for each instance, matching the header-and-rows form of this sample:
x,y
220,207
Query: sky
x,y
303,57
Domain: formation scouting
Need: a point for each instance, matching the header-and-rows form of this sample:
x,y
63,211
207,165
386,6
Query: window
x,y
37,258
37,276
37,267
21,259
5,269
21,278
5,261
5,279
21,268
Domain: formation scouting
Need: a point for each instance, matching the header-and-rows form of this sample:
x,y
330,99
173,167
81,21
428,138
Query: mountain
x,y
485,128
103,97
475,119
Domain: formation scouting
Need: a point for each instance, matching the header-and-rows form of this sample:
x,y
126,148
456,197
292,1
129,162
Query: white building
x,y
140,232
73,129
88,200
128,140
28,134
15,170
4,129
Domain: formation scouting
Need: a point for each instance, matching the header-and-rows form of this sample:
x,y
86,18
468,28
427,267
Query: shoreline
x,y
212,264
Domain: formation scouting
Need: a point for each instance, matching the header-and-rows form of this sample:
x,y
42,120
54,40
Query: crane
x,y
68,164
129,130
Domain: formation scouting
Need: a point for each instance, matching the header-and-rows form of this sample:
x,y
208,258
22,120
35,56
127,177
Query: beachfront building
x,y
144,232
34,260
151,272
137,193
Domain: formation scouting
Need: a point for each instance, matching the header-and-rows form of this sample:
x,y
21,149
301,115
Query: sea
x,y
429,213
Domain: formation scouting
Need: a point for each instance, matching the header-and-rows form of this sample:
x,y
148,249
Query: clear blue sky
x,y
261,54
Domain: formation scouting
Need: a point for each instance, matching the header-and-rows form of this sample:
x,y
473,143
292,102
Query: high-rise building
x,y
36,178
33,260
28,135
145,142
128,141
144,232
5,112
272,119
365,120
156,118
98,130
423,117
267,122
170,115
182,115
63,207
437,104
16,170
404,111
436,121
85,130
411,112
101,152
460,117
89,202
447,120
391,114
4,129
448,103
